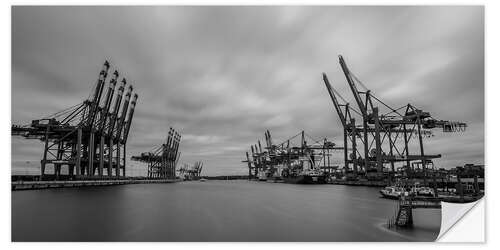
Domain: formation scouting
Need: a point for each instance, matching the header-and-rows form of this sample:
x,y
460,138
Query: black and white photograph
x,y
245,123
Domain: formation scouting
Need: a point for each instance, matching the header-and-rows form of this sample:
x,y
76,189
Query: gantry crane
x,y
162,160
191,172
261,159
276,157
385,137
89,136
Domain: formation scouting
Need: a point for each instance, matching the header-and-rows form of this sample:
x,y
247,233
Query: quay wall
x,y
30,185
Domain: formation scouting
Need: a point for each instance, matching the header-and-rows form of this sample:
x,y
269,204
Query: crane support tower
x,y
90,138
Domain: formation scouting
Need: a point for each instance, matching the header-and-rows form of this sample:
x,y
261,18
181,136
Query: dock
x,y
31,185
369,183
404,211
403,216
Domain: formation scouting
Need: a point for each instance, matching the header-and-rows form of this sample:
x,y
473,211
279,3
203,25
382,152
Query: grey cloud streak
x,y
222,75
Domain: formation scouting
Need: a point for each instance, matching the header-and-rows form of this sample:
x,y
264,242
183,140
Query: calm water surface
x,y
213,211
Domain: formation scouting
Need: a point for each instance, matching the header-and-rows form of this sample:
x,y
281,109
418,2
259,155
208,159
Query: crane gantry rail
x,y
90,136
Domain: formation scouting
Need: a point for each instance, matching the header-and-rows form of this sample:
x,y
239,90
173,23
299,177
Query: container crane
x,y
76,137
385,137
162,159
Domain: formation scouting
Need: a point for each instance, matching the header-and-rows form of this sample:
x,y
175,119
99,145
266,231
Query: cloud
x,y
223,75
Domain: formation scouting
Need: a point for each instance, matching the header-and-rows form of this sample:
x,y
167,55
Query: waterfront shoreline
x,y
33,185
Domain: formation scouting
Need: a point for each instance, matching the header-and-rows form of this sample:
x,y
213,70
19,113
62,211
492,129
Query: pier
x,y
404,214
406,204
369,183
30,185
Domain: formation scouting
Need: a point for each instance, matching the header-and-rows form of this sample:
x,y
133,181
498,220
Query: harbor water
x,y
237,210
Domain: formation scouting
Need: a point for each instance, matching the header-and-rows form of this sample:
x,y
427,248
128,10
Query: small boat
x,y
392,192
425,191
203,179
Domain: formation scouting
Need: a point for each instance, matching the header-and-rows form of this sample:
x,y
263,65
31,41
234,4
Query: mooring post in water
x,y
476,185
404,216
435,183
460,188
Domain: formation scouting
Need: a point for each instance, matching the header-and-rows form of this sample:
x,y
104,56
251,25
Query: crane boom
x,y
334,100
121,120
107,101
352,86
116,107
129,118
94,105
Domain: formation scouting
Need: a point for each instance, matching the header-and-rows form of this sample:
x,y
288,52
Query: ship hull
x,y
389,196
306,179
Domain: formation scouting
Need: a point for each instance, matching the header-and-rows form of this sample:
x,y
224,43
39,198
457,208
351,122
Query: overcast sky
x,y
223,75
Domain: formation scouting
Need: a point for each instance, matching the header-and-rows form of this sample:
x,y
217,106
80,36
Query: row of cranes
x,y
376,134
191,172
89,137
277,161
162,160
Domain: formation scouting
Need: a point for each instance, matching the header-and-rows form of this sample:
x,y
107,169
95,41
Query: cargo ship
x,y
303,171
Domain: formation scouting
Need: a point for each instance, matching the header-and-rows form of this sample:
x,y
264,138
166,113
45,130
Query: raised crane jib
x,y
97,94
116,107
334,100
129,117
107,100
352,85
121,120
